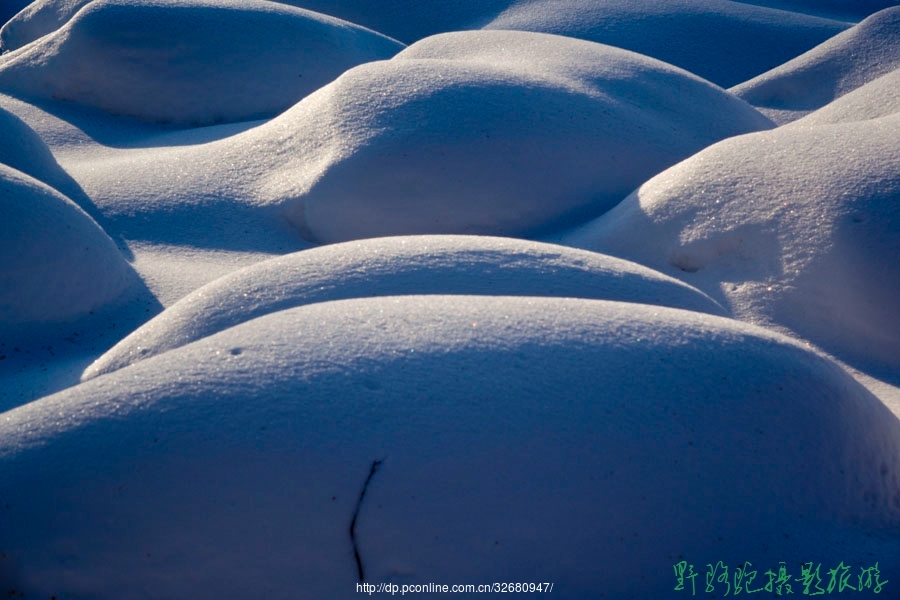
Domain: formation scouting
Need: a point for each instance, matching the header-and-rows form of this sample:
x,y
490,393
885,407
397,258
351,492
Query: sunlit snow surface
x,y
829,71
299,294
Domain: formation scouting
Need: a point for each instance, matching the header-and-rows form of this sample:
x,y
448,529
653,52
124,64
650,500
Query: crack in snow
x,y
362,496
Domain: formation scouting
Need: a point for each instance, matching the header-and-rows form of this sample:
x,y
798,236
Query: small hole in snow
x,y
236,351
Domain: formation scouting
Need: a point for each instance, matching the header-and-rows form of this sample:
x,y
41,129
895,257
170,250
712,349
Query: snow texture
x,y
24,150
795,226
878,98
854,10
153,60
722,41
495,133
698,361
827,72
491,132
9,8
37,20
409,20
57,263
514,434
399,266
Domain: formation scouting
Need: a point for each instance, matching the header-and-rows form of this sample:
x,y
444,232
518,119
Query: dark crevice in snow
x,y
362,496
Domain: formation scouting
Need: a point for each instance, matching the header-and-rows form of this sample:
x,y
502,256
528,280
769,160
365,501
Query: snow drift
x,y
190,62
500,428
878,98
399,266
496,133
409,20
846,9
405,20
9,9
512,434
842,64
722,41
797,227
36,20
24,150
57,263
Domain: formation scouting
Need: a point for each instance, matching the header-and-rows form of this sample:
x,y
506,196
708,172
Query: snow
x,y
9,9
454,135
57,262
854,10
409,20
795,227
152,60
827,72
562,312
404,20
725,42
25,151
36,20
878,98
233,460
397,266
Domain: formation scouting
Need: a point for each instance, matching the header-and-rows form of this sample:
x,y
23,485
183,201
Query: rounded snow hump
x,y
190,62
421,439
25,151
397,266
795,227
486,132
876,99
57,263
836,67
404,20
707,37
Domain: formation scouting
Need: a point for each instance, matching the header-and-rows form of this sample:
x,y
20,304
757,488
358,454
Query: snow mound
x,y
57,262
828,71
24,150
878,98
490,434
855,10
36,20
9,8
797,227
408,20
399,266
722,41
405,20
485,132
191,62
